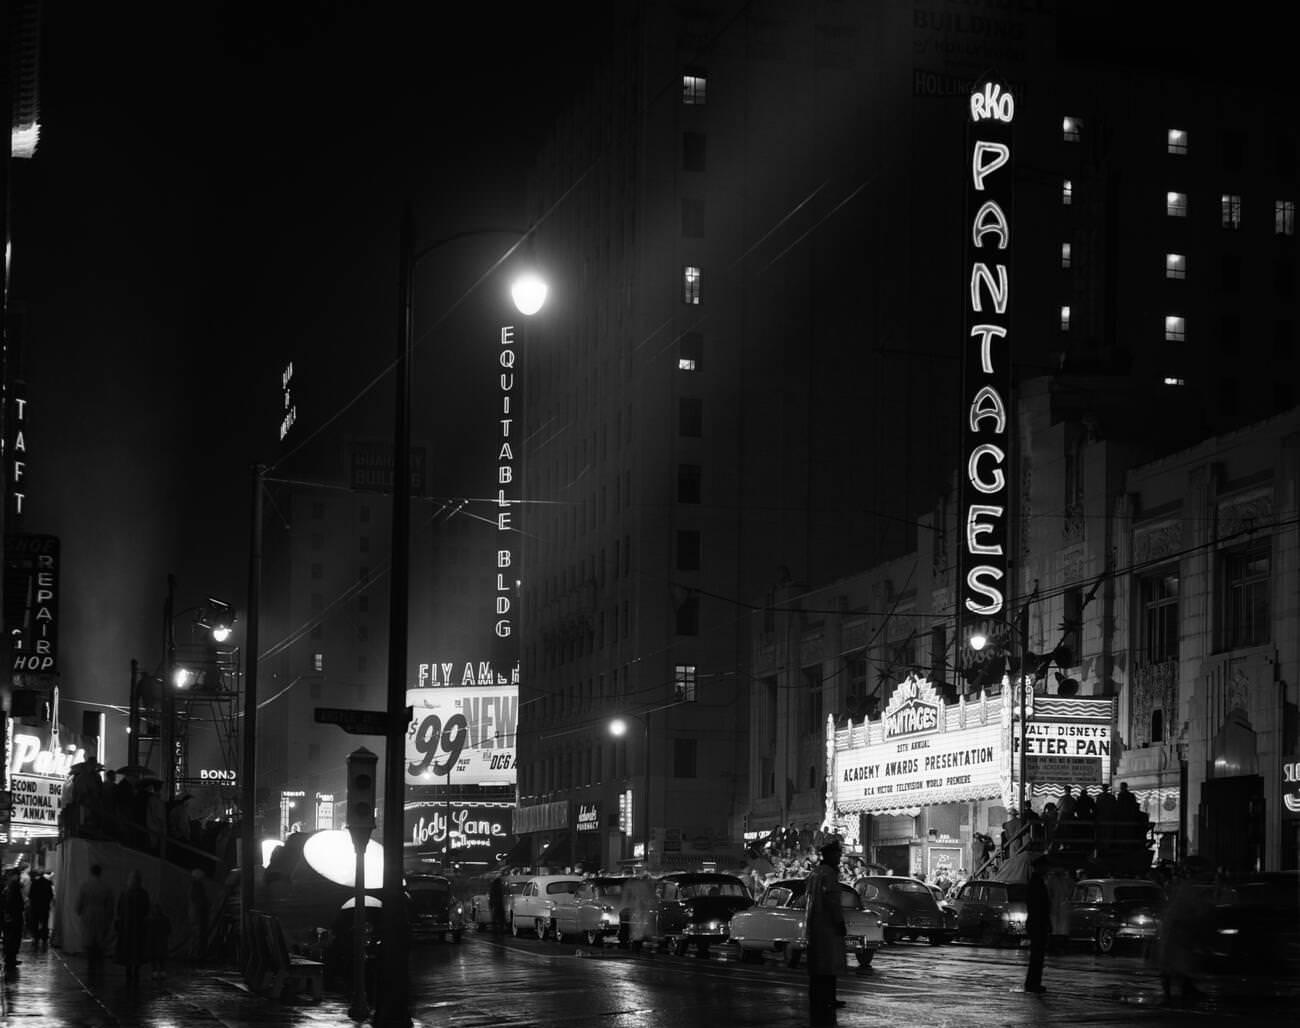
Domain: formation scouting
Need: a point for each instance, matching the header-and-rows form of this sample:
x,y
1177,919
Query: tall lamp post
x,y
978,642
618,728
529,293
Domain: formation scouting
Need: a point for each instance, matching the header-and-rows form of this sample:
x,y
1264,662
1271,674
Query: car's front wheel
x,y
515,930
864,957
750,956
592,936
541,926
1105,940
940,940
792,955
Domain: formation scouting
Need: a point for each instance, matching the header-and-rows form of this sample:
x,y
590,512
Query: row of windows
x,y
1230,211
1177,142
1243,605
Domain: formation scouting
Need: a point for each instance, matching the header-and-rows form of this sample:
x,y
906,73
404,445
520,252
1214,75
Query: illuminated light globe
x,y
529,293
618,727
978,641
221,633
330,854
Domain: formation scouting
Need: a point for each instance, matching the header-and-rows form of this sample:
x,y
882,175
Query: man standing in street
x,y
15,908
95,908
824,916
1038,924
40,898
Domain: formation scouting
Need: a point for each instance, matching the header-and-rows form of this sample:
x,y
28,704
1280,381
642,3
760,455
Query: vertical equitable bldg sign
x,y
986,364
505,477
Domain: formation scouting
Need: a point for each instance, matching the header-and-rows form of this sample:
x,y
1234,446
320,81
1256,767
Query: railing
x,y
1117,845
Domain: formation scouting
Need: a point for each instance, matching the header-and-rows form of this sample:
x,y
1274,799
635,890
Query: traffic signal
x,y
361,789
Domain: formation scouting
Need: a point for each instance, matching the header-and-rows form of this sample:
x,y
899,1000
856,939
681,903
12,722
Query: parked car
x,y
691,909
480,905
907,908
591,911
1109,911
991,912
776,924
434,909
534,907
1254,926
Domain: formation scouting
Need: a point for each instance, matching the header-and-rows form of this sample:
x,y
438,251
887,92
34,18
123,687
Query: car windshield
x,y
1138,894
695,889
910,886
515,888
849,899
554,888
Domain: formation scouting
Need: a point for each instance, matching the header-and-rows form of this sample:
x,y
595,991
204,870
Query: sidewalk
x,y
51,990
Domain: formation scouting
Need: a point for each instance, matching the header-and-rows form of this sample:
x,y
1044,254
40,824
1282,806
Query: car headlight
x,y
460,910
1227,931
1141,919
1015,917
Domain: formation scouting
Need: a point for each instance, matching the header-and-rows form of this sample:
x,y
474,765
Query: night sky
x,y
217,190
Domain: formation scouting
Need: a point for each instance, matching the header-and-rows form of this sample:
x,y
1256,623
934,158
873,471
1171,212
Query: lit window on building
x,y
1065,255
1175,329
1284,217
690,351
1230,203
1177,141
1176,205
691,284
1067,192
693,87
1070,128
1175,265
684,683
1171,381
318,662
1065,319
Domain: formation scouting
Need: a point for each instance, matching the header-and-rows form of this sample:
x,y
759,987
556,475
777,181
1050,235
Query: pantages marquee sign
x,y
922,751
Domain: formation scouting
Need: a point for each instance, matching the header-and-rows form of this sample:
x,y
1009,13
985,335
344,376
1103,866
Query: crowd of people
x,y
99,803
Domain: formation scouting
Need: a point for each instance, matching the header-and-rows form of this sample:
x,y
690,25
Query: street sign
x,y
357,722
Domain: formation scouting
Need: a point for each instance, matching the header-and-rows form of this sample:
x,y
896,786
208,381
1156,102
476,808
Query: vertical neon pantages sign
x,y
986,361
503,625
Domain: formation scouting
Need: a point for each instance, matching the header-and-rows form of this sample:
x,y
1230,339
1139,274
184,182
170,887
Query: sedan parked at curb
x,y
775,924
480,905
907,908
1109,911
690,910
534,907
591,911
992,912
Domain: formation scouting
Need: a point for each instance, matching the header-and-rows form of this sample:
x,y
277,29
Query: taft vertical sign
x,y
986,352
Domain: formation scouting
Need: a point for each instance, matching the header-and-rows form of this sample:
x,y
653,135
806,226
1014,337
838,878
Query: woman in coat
x,y
825,927
132,934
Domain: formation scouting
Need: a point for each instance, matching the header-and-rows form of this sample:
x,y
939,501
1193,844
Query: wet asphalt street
x,y
518,983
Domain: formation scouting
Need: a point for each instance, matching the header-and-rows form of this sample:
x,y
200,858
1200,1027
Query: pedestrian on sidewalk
x,y
825,920
159,928
1038,924
95,909
40,898
200,913
15,909
132,912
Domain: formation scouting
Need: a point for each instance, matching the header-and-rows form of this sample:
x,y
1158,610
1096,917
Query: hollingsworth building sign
x,y
923,751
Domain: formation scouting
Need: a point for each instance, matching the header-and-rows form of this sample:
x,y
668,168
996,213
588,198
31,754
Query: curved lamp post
x,y
394,1007
979,640
618,728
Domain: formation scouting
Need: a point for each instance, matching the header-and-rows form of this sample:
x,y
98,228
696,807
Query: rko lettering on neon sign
x,y
987,358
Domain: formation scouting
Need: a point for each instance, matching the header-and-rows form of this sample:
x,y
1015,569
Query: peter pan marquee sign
x,y
922,751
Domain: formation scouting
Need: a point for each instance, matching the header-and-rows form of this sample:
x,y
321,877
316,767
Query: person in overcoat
x,y
132,932
824,916
1038,923
95,908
